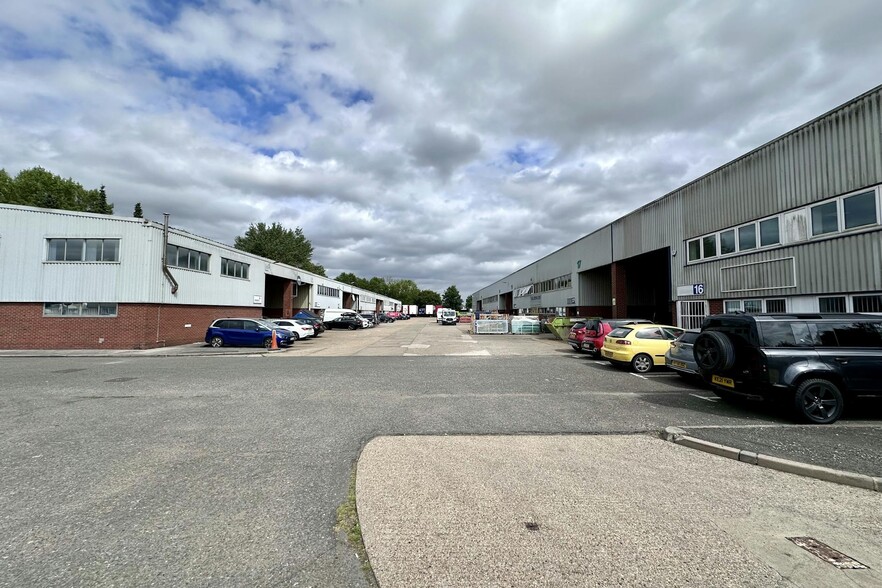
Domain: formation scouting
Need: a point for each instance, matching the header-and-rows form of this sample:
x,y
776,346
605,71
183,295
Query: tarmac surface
x,y
573,509
604,510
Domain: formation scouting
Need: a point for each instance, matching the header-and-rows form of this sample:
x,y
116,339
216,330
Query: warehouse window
x,y
831,304
747,237
825,218
709,246
776,305
103,309
755,306
859,210
234,269
104,250
769,234
727,242
326,291
186,258
694,250
867,303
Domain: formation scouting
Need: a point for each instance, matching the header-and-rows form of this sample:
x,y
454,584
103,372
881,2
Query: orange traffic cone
x,y
275,345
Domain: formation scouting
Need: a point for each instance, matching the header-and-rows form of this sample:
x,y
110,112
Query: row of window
x,y
327,291
177,256
79,309
755,306
558,283
843,213
106,250
864,303
234,269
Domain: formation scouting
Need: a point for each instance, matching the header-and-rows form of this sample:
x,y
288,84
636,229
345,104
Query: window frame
x,y
199,257
83,250
64,307
841,210
237,265
834,297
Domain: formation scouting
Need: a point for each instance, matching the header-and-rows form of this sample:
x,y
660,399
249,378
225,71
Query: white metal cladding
x,y
137,277
28,277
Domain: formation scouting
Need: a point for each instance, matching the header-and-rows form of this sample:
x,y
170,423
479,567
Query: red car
x,y
587,335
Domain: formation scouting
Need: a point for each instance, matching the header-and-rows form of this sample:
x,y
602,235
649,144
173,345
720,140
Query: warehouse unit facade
x,y
71,280
793,226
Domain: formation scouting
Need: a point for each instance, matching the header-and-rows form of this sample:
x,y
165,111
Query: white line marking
x,y
637,375
708,398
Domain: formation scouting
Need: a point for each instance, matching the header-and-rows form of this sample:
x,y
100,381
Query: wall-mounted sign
x,y
258,299
571,300
536,298
691,290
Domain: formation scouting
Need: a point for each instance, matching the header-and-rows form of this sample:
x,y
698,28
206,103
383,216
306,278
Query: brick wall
x,y
136,326
715,306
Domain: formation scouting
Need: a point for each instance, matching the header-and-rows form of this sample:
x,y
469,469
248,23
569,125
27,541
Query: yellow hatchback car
x,y
640,346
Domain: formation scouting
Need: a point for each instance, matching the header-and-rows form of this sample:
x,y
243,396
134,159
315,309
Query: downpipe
x,y
165,270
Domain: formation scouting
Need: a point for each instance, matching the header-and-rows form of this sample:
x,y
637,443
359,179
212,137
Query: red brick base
x,y
136,326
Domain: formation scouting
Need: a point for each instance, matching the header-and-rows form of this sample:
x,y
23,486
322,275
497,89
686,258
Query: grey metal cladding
x,y
771,274
832,155
595,287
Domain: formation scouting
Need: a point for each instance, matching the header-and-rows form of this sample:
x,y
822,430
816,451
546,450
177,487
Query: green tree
x,y
451,298
468,302
428,297
279,244
39,187
404,290
138,212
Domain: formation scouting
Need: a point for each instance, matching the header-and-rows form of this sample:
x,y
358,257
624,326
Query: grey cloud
x,y
443,149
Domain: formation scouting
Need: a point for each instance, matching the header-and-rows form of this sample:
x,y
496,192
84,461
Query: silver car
x,y
680,357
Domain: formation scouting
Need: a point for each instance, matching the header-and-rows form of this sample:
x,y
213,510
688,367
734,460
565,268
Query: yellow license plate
x,y
679,364
728,382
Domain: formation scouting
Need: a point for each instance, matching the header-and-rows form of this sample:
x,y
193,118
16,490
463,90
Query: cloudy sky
x,y
448,142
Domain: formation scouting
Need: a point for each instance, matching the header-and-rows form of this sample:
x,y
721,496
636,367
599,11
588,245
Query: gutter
x,y
165,270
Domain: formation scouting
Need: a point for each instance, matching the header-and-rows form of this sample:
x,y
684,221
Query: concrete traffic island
x,y
627,510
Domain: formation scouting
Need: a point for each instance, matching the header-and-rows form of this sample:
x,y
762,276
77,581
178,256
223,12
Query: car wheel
x,y
641,363
351,327
714,351
576,348
818,401
268,343
216,341
294,336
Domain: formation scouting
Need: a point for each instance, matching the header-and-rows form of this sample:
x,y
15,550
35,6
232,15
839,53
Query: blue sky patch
x,y
15,46
164,12
524,156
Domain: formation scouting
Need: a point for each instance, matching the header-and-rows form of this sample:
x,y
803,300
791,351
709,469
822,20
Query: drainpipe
x,y
165,271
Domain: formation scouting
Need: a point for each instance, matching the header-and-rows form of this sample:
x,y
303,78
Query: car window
x,y
857,334
671,333
653,333
284,323
578,325
620,332
220,325
688,337
787,334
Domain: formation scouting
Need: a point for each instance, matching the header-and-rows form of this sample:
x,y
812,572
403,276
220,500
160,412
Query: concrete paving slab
x,y
600,510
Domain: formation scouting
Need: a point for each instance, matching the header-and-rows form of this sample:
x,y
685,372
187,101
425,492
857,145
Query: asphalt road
x,y
228,470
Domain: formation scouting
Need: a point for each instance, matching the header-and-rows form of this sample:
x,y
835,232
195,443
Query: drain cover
x,y
827,553
531,526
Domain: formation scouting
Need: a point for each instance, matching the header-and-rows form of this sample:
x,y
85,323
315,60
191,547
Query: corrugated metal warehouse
x,y
72,280
793,226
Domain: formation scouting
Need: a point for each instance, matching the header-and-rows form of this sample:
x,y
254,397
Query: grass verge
x,y
347,524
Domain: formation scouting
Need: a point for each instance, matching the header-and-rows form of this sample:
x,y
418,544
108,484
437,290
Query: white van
x,y
448,316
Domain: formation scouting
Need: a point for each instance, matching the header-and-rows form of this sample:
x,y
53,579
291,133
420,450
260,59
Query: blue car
x,y
245,332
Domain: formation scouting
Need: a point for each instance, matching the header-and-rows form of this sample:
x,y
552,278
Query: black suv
x,y
817,362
